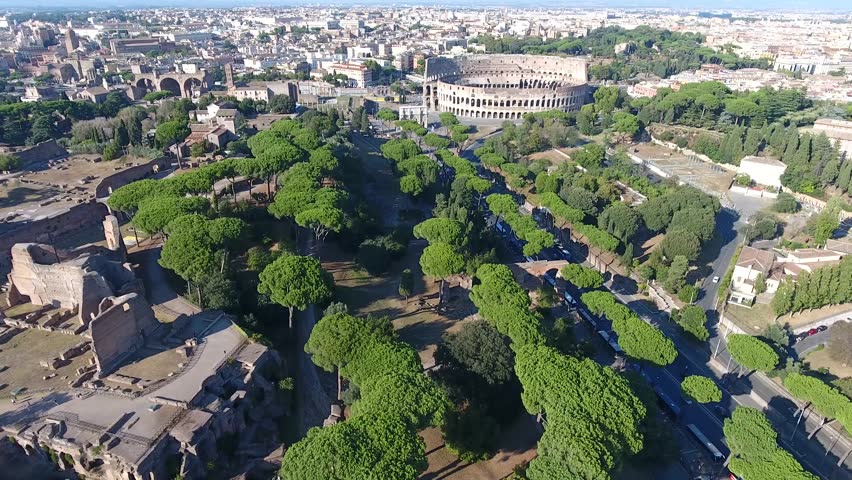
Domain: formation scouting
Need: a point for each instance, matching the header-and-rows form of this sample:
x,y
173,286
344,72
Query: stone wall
x,y
77,218
816,203
504,86
121,326
137,172
40,152
79,284
36,275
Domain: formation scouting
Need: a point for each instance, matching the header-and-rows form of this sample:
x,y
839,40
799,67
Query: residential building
x,y
357,73
774,268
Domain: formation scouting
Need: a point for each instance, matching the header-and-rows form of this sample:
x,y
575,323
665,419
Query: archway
x,y
171,85
191,85
145,83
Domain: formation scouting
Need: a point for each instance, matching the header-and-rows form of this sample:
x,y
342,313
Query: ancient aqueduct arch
x,y
504,87
181,84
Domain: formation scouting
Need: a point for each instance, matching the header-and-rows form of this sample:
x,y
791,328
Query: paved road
x,y
665,380
809,343
727,231
755,390
312,402
157,287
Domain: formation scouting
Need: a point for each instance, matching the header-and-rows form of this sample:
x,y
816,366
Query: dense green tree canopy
x,y
399,150
479,350
827,400
382,358
506,305
157,211
170,132
414,396
440,260
336,339
357,449
295,282
592,416
751,352
701,389
620,221
692,319
582,277
441,230
755,453
643,341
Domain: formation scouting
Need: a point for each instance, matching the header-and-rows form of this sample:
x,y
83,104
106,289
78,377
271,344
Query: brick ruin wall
x,y
77,218
128,175
119,329
40,152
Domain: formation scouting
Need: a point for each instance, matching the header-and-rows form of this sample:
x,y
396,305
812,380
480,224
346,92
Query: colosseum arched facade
x,y
504,87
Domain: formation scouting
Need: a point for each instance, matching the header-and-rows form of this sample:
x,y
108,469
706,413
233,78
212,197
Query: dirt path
x,y
312,402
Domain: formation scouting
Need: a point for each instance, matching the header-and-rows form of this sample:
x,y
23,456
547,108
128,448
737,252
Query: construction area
x,y
708,177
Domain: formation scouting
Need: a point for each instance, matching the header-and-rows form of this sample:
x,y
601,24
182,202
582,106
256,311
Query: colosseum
x,y
504,87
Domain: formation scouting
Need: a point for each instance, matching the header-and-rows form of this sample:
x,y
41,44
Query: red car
x,y
812,331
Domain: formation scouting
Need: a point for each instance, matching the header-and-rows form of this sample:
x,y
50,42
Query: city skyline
x,y
833,6
487,241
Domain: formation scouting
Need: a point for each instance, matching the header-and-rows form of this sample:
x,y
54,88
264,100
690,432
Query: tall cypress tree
x,y
791,145
803,153
753,141
844,177
777,139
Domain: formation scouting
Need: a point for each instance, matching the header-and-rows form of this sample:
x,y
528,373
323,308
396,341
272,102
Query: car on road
x,y
822,328
813,331
716,279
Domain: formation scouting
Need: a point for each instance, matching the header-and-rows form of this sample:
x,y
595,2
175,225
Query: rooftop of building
x,y
768,161
833,122
812,253
754,258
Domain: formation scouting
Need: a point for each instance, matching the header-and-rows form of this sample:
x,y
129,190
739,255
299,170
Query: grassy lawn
x,y
757,318
22,353
819,358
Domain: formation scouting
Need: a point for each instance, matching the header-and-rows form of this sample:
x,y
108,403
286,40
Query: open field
x,y
22,353
819,359
757,318
553,155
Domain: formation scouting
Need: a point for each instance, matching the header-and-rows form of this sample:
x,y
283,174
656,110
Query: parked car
x,y
812,331
822,328
716,279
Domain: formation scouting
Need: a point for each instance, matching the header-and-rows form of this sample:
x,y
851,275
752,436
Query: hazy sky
x,y
834,5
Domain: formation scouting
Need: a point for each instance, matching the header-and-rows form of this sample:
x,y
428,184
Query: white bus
x,y
717,455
